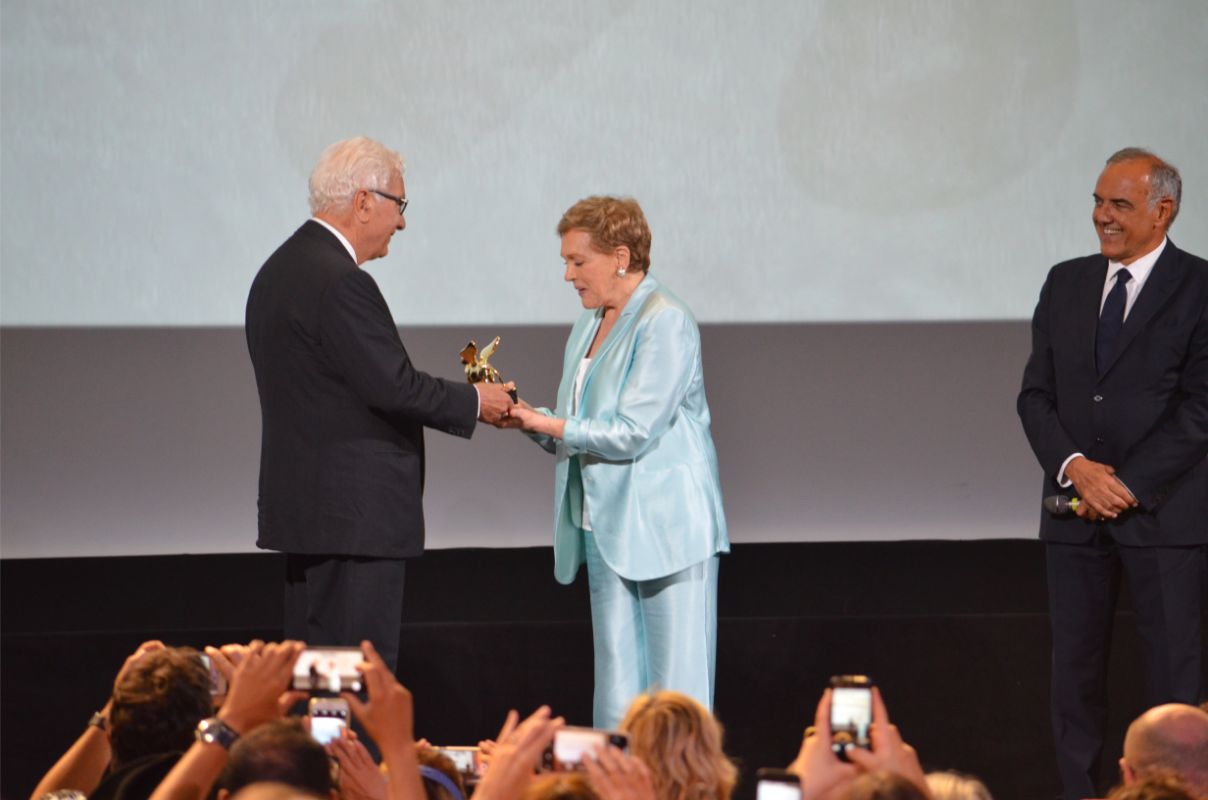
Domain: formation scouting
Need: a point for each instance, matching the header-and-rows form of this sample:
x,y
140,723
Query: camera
x,y
572,744
851,713
328,669
328,717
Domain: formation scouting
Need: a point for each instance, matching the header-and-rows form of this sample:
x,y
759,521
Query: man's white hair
x,y
347,166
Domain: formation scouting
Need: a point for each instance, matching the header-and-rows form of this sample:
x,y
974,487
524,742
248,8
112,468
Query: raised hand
x,y
889,752
819,769
618,776
259,685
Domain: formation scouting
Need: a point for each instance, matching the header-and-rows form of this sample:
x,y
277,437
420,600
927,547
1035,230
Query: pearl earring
x,y
620,273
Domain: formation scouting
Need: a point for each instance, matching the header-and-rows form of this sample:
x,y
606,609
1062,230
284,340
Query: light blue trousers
x,y
651,635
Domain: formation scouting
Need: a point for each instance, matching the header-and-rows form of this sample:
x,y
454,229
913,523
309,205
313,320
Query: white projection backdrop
x,y
806,160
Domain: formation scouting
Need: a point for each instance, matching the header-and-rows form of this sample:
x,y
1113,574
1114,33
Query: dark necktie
x,y
1111,320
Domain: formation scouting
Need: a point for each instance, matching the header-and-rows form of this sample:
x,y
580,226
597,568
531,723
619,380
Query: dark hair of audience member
x,y
882,786
281,751
680,742
268,790
430,757
560,786
158,703
1153,787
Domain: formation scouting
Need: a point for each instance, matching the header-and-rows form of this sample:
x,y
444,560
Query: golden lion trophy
x,y
478,367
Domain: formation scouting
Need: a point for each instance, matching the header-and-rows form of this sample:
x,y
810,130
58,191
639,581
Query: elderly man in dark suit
x,y
343,409
1115,405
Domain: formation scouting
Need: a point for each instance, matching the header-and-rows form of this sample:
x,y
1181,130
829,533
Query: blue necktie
x,y
1111,320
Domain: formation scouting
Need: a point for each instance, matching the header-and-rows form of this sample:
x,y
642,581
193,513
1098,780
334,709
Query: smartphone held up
x,y
572,745
851,713
328,718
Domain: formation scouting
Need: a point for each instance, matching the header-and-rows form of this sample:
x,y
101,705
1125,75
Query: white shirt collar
x,y
340,236
1140,268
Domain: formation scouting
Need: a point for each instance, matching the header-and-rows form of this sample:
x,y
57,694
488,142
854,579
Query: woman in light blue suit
x,y
636,492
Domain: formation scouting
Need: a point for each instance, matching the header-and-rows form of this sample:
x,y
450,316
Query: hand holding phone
x,y
572,744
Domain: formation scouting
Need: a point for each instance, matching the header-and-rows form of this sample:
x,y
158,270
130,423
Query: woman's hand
x,y
536,422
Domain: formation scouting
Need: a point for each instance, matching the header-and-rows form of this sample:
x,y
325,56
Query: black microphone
x,y
1059,505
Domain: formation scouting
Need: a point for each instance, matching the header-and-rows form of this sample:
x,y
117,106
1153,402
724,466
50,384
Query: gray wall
x,y
145,441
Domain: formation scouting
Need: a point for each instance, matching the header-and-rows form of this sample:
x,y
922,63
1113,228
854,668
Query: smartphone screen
x,y
572,744
777,784
328,669
465,759
851,712
218,684
328,717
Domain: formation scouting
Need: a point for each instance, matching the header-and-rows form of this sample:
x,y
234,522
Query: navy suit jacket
x,y
342,408
1147,415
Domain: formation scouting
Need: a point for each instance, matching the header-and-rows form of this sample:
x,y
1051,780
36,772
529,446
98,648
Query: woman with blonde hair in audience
x,y
681,744
951,785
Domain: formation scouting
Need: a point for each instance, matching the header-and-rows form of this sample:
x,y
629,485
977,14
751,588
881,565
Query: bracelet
x,y
99,720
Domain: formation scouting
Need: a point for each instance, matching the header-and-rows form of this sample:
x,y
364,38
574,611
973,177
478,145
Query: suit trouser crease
x,y
341,600
655,634
1166,584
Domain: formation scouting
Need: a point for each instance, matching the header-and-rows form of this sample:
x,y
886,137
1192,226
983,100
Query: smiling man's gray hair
x,y
1164,178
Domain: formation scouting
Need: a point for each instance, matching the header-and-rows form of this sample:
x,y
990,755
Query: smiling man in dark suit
x,y
343,409
1115,405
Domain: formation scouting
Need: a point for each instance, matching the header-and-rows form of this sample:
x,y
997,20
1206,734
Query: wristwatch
x,y
99,720
215,731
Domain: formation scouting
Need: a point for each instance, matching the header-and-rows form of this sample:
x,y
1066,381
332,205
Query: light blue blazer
x,y
649,468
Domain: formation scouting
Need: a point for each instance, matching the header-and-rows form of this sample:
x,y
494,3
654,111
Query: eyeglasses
x,y
402,201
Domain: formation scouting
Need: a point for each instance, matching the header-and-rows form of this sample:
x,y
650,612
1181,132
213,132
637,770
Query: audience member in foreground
x,y
955,786
273,791
159,696
560,786
680,743
258,695
1165,787
515,753
1170,739
882,785
823,775
442,780
281,751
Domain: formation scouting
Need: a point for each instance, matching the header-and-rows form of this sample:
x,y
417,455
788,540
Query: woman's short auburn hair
x,y
611,222
680,742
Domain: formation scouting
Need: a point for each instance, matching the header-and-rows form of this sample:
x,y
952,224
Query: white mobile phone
x,y
465,759
572,744
851,712
218,683
777,784
328,718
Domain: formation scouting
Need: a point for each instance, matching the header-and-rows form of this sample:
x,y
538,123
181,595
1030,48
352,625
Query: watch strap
x,y
99,720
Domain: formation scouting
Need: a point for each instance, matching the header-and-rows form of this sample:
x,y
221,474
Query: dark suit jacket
x,y
342,408
1147,416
